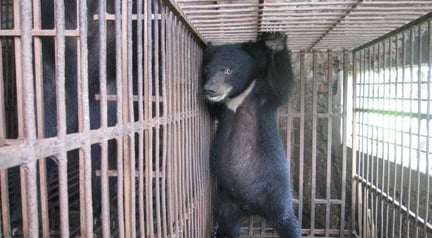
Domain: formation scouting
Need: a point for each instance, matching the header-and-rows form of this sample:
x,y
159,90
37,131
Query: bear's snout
x,y
210,89
216,92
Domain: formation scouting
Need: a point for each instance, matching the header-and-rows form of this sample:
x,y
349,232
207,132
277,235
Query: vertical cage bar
x,y
18,68
387,134
156,100
24,201
188,125
61,114
131,141
2,97
119,140
149,133
105,200
302,131
377,137
395,174
28,171
179,184
355,62
346,69
419,59
40,115
5,218
402,65
411,73
329,138
26,63
86,214
170,125
141,34
362,139
125,16
314,141
428,112
63,193
164,116
369,100
182,176
102,30
31,194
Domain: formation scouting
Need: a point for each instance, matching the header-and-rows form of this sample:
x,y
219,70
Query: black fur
x,y
247,157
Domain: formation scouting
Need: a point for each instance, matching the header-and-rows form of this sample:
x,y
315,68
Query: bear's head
x,y
227,71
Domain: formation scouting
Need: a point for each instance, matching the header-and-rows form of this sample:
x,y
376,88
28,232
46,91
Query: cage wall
x,y
102,129
392,134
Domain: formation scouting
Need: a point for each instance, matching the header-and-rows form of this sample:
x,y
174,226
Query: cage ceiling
x,y
309,24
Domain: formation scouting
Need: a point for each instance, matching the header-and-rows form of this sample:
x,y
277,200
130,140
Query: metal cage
x,y
104,132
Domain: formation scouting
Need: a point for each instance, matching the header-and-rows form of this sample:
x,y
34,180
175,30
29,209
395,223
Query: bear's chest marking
x,y
234,103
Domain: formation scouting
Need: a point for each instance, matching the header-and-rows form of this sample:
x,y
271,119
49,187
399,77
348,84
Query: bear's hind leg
x,y
283,220
227,218
287,226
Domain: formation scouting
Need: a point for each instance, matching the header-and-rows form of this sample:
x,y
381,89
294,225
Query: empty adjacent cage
x,y
103,130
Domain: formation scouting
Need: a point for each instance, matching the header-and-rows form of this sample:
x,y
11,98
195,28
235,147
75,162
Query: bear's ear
x,y
210,48
258,51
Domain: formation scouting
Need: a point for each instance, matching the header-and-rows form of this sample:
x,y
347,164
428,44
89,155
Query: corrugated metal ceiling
x,y
309,24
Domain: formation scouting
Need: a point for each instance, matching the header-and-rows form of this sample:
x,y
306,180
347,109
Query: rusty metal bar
x,y
130,162
148,93
176,178
428,111
170,128
40,115
163,46
354,141
395,174
141,33
183,132
86,215
410,143
105,196
120,119
329,137
61,114
387,83
28,171
2,98
156,93
5,218
419,109
314,141
346,70
302,136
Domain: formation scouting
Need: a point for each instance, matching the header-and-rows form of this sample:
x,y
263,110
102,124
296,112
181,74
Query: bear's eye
x,y
228,70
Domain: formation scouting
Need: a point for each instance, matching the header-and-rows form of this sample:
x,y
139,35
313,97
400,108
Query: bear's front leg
x,y
280,76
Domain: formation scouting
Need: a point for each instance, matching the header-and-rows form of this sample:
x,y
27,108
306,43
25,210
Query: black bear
x,y
245,84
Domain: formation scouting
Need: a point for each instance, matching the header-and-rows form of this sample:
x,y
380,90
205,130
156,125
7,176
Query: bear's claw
x,y
276,41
